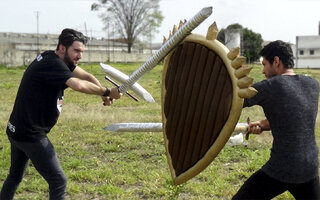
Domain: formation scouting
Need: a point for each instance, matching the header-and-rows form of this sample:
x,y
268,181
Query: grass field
x,y
108,165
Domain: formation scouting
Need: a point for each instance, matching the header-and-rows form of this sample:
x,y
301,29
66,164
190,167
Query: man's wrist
x,y
106,93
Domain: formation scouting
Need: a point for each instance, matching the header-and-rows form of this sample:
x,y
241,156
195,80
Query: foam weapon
x,y
121,77
115,84
155,127
176,38
135,127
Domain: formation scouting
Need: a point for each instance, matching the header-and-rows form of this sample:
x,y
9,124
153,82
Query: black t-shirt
x,y
38,102
290,104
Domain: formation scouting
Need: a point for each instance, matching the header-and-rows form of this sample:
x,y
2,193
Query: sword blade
x,y
135,127
166,48
121,77
153,127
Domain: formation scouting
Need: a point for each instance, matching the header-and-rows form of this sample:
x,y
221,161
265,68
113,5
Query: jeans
x,y
43,156
261,186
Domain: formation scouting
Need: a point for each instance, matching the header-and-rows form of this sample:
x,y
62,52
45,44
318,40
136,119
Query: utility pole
x,y
108,42
38,48
88,45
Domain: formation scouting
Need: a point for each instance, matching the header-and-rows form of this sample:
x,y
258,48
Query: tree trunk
x,y
129,47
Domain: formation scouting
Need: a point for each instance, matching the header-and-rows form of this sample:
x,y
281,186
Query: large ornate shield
x,y
202,97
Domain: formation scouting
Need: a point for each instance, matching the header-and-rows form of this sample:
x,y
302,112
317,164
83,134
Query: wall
x,y
17,49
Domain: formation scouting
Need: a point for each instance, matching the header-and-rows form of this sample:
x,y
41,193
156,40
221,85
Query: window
x,y
301,52
311,52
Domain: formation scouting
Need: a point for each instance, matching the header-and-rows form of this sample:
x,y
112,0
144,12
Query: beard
x,y
68,60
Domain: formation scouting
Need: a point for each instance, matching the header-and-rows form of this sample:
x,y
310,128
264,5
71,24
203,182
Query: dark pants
x,y
261,186
43,156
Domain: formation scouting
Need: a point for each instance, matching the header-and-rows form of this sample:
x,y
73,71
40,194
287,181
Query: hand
x,y
114,93
257,127
107,101
254,127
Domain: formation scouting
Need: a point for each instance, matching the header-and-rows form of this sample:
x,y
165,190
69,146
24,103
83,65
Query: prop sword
x,y
166,48
122,77
154,127
157,127
115,84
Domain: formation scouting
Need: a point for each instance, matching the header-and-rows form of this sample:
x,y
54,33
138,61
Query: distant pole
x,y
108,42
85,28
88,45
38,48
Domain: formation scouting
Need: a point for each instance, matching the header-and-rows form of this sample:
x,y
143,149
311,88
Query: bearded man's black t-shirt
x,y
39,98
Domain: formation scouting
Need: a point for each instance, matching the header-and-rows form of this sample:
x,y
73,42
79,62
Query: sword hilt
x,y
247,133
115,84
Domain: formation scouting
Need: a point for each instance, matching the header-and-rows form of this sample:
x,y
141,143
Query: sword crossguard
x,y
115,84
247,133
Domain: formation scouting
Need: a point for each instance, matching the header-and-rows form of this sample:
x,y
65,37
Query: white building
x,y
232,38
308,51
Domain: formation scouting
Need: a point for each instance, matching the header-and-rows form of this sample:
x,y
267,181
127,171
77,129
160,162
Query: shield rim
x,y
234,115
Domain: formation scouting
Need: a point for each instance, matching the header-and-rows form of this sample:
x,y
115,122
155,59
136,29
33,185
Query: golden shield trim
x,y
201,102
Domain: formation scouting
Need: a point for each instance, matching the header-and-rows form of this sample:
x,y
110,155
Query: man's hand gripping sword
x,y
245,128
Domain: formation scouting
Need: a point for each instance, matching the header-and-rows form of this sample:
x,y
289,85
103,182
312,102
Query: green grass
x,y
109,165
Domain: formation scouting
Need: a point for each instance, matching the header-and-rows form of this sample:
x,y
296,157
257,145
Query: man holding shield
x,y
290,104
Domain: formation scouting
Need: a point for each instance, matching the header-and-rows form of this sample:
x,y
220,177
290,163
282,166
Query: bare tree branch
x,y
131,18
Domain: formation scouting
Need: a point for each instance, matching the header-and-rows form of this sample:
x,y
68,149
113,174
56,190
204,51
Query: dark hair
x,y
68,36
281,49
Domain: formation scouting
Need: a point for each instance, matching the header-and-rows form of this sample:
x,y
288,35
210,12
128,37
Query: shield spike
x,y
170,34
212,32
245,82
175,29
180,24
238,62
164,39
247,92
233,53
242,71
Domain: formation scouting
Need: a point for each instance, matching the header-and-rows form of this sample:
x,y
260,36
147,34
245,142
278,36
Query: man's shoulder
x,y
307,77
262,83
48,60
45,58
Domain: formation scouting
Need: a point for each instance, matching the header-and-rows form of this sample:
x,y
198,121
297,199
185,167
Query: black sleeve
x,y
261,97
54,73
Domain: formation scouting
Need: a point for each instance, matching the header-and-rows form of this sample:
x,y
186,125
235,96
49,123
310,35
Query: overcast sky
x,y
273,19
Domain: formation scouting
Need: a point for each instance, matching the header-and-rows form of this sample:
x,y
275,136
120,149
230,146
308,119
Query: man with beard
x,y
37,108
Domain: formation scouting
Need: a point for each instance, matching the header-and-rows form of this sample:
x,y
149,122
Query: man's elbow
x,y
75,84
78,88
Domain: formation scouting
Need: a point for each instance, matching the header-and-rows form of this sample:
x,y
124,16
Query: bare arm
x,y
86,83
78,72
91,88
85,86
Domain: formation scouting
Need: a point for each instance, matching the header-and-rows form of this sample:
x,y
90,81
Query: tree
x,y
252,44
251,41
131,18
